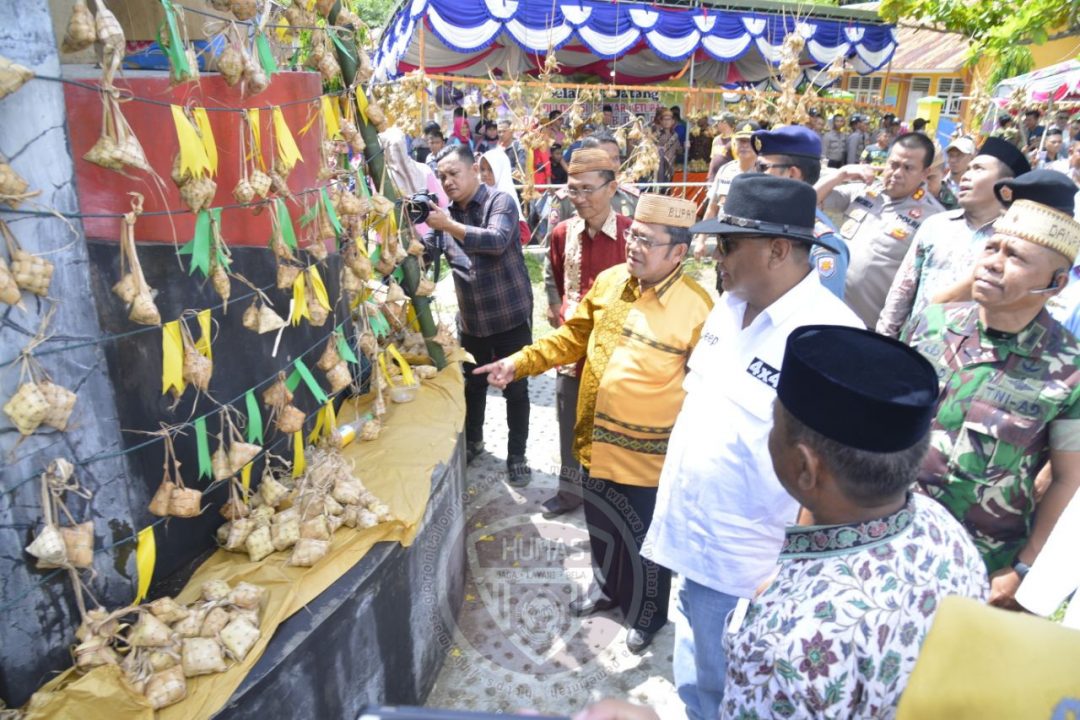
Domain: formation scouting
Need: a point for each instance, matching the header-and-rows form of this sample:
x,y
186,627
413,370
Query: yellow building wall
x,y
1056,51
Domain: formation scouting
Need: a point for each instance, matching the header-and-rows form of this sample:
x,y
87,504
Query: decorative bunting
x,y
180,69
202,121
299,305
406,371
299,463
245,480
303,373
341,46
288,234
331,117
193,157
325,423
145,559
318,288
379,324
361,182
254,123
206,330
266,57
199,247
254,419
287,152
330,212
172,358
202,446
343,348
362,104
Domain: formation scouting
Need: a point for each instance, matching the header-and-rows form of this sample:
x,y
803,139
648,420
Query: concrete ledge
x,y
380,634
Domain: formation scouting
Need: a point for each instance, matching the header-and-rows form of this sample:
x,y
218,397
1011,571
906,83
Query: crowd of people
x,y
881,410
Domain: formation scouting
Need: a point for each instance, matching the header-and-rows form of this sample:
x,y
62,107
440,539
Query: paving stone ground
x,y
515,645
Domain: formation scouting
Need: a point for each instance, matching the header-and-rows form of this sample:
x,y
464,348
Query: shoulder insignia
x,y
918,194
872,193
915,213
899,233
826,266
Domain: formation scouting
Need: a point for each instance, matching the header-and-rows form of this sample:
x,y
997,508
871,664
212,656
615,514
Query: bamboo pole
x,y
410,267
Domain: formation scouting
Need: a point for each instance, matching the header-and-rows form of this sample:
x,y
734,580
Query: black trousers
x,y
836,163
486,350
618,517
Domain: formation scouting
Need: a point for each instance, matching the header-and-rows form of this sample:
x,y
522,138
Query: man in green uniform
x,y
1010,386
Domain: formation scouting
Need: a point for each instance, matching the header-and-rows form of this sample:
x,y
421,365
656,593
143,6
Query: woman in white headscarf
x,y
495,172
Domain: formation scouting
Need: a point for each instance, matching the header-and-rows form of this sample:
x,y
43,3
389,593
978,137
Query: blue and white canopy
x,y
624,42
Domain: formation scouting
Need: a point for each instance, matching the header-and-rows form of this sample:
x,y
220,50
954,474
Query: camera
x,y
418,206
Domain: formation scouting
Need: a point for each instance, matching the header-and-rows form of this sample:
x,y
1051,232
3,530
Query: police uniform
x,y
878,231
722,182
831,266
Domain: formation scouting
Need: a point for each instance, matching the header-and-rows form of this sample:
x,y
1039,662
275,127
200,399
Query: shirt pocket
x,y
994,443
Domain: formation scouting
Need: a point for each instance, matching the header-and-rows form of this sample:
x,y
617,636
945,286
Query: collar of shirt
x,y
607,232
815,541
478,198
1029,342
782,308
661,289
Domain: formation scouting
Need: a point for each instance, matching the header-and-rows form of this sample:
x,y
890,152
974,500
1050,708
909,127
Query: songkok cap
x,y
863,390
1046,187
665,210
1007,153
1042,225
788,140
746,130
589,159
760,204
964,144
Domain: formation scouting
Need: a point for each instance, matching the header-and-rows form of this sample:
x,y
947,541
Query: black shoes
x,y
518,470
638,640
473,450
588,606
554,507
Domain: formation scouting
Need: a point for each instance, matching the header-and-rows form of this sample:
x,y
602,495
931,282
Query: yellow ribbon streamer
x,y
193,157
256,133
410,317
325,423
331,117
202,120
172,358
319,288
300,308
299,463
203,343
145,558
287,152
245,479
362,103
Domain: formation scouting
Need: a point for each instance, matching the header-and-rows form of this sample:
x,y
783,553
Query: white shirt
x,y
720,510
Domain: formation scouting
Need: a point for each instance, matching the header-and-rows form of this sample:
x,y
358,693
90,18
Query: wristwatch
x,y
1021,568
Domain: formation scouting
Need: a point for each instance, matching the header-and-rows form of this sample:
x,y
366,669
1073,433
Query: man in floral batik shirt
x,y
836,633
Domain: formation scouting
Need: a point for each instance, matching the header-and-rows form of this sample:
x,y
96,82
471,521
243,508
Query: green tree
x,y
1001,30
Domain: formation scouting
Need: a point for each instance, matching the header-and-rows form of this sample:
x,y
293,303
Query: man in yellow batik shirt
x,y
635,327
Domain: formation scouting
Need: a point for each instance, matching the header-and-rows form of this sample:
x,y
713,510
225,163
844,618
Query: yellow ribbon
x,y
203,343
172,358
299,464
410,317
325,423
331,117
193,157
245,479
145,558
202,120
406,371
256,134
319,288
362,103
287,151
300,308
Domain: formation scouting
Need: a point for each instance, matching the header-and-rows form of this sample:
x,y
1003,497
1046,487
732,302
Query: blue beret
x,y
1046,187
861,389
788,140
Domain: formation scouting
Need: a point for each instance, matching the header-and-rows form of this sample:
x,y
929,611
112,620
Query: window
x,y
951,90
920,88
866,88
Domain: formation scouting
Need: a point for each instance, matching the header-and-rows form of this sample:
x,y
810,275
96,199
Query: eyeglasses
x,y
763,167
644,243
726,245
585,191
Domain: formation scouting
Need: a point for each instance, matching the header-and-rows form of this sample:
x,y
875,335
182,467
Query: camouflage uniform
x,y
1005,403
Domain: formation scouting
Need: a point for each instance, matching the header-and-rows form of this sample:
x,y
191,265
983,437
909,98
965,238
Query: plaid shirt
x,y
493,288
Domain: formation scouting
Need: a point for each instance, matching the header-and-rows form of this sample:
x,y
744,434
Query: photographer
x,y
481,238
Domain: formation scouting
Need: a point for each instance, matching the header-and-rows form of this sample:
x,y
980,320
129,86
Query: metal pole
x,y
689,94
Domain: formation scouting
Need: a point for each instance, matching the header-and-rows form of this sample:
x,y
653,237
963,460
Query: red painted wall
x,y
105,191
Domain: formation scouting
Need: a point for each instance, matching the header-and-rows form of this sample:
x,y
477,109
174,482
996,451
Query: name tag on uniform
x,y
766,373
